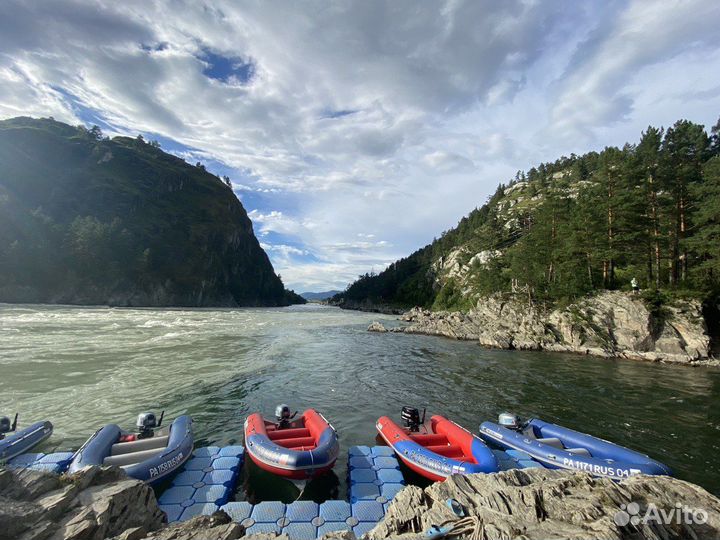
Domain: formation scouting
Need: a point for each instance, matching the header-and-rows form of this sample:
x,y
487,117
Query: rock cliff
x,y
610,323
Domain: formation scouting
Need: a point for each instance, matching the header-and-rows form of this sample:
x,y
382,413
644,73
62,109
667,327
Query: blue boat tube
x,y
558,447
19,442
151,456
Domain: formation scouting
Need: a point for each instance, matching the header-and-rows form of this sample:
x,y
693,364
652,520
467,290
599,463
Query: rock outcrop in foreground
x,y
612,324
92,504
103,503
539,503
97,504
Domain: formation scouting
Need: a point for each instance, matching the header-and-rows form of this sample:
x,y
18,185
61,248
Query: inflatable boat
x,y
557,447
297,449
438,448
14,442
151,455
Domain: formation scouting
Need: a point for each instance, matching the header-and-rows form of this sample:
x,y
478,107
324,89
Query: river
x,y
82,367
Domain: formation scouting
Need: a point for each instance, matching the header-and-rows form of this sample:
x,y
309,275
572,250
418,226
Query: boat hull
x,y
157,467
580,452
24,440
310,448
431,464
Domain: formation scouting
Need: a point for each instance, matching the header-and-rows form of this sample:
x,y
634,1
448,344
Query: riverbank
x,y
609,324
103,503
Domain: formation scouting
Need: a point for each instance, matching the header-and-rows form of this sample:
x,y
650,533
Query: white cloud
x,y
390,120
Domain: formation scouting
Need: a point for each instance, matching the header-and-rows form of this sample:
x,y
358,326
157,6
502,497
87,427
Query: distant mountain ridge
x,y
318,296
89,220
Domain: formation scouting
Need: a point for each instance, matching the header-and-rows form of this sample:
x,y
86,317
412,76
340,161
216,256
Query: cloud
x,y
447,162
594,88
336,120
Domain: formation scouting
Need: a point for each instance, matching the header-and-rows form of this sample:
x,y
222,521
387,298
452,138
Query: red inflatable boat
x,y
298,449
438,448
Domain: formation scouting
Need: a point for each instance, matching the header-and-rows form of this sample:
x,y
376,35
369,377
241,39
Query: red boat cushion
x,y
288,433
296,441
452,450
427,440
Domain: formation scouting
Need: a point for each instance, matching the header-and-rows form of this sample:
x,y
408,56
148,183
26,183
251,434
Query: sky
x,y
356,132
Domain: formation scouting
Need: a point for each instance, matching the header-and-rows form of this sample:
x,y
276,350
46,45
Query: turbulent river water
x,y
84,367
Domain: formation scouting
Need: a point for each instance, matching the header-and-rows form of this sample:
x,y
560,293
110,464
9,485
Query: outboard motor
x,y
6,426
147,423
510,421
283,416
411,418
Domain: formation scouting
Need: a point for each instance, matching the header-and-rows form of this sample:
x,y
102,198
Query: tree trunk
x,y
655,229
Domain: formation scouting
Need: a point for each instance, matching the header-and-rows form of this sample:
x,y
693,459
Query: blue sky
x,y
355,132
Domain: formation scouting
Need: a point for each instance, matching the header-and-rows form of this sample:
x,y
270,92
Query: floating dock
x,y
56,462
209,480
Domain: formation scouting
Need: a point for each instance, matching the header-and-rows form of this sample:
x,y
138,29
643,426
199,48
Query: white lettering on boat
x,y
602,470
493,433
166,466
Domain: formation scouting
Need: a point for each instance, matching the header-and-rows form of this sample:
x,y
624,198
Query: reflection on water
x,y
84,367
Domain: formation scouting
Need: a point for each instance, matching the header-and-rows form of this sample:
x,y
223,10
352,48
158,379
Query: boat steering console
x,y
6,426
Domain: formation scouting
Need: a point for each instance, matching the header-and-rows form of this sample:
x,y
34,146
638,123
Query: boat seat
x,y
288,433
138,445
552,441
434,439
579,451
125,460
297,441
446,450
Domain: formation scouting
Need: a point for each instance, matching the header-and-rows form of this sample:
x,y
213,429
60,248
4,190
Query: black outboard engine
x,y
283,416
411,418
147,423
6,426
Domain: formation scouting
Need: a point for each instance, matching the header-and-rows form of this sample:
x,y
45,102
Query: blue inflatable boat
x,y
557,447
151,455
13,442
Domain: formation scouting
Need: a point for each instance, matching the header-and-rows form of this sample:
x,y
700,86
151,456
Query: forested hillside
x,y
89,220
649,211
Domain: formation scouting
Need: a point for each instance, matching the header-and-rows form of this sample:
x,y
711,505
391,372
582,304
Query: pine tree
x,y
705,241
684,149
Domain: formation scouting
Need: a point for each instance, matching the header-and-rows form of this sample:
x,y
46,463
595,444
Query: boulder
x,y
218,526
92,504
376,326
546,504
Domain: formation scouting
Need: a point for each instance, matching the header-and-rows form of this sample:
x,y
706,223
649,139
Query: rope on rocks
x,y
468,527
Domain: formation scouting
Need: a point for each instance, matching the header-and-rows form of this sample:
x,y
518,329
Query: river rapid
x,y
83,367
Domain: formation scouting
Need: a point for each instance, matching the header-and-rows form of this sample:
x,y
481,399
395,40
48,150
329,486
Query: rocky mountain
x,y
552,246
647,213
85,219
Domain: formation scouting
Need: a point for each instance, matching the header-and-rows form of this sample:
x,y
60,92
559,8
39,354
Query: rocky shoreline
x,y
103,503
610,324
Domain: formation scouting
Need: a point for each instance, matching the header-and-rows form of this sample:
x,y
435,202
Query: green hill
x,y
649,211
89,220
